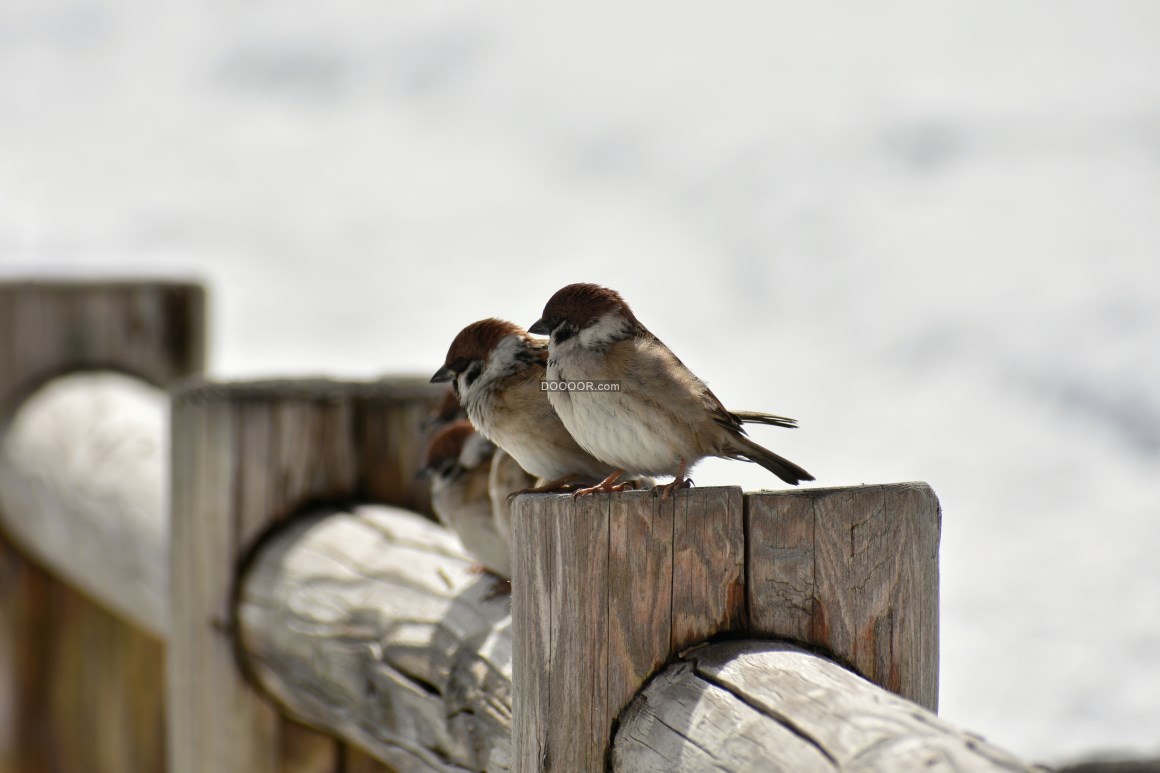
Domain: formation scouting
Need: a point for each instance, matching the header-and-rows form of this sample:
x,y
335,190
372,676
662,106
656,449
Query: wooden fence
x,y
200,576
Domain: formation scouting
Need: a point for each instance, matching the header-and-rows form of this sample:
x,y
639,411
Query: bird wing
x,y
689,383
731,420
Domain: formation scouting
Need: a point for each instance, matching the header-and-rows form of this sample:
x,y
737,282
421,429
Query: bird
x,y
506,479
661,419
497,370
444,412
458,462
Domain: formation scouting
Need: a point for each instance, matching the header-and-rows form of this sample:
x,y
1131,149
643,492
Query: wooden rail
x,y
753,705
368,624
82,448
246,457
640,632
72,671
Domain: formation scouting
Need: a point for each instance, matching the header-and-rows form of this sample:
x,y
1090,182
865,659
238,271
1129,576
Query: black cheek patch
x,y
473,372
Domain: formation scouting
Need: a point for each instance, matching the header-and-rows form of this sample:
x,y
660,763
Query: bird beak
x,y
443,374
540,328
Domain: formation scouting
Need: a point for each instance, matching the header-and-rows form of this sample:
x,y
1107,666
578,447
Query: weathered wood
x,y
369,625
772,706
855,572
81,689
532,649
79,672
355,760
641,589
82,491
246,456
606,590
152,330
303,749
708,565
609,587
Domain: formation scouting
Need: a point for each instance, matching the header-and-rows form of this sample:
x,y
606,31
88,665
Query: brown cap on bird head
x,y
444,448
580,305
475,343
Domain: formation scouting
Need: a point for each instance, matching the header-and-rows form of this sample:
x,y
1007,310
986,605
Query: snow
x,y
931,232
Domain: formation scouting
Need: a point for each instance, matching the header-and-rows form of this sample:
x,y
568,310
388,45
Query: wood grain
x,y
708,565
761,705
780,564
533,648
855,572
355,760
82,491
154,331
246,456
77,671
369,625
640,592
687,723
607,588
81,687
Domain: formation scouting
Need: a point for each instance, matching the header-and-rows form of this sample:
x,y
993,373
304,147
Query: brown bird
x,y
507,479
459,464
663,420
445,411
497,370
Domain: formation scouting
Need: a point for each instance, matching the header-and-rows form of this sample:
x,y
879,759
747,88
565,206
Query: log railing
x,y
306,629
749,705
81,532
247,457
415,651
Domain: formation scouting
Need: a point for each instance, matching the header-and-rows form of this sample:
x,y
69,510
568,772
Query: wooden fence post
x,y
853,571
607,589
80,683
244,457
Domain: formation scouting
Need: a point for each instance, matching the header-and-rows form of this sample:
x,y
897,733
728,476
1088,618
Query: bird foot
x,y
669,488
551,487
600,489
606,486
499,587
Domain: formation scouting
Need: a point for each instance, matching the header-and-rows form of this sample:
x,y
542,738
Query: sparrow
x,y
663,420
497,371
445,411
459,464
505,480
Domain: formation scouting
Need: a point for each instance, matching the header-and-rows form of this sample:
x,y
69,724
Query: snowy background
x,y
931,232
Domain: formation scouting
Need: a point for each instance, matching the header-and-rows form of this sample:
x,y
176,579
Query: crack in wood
x,y
786,721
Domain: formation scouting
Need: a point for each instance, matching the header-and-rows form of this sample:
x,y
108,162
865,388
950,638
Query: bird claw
x,y
551,487
669,488
499,587
601,489
611,488
606,486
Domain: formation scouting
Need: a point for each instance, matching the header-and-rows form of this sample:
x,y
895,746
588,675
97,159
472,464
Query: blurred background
x,y
929,232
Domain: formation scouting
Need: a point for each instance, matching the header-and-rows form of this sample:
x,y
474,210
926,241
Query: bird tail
x,y
744,448
756,417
